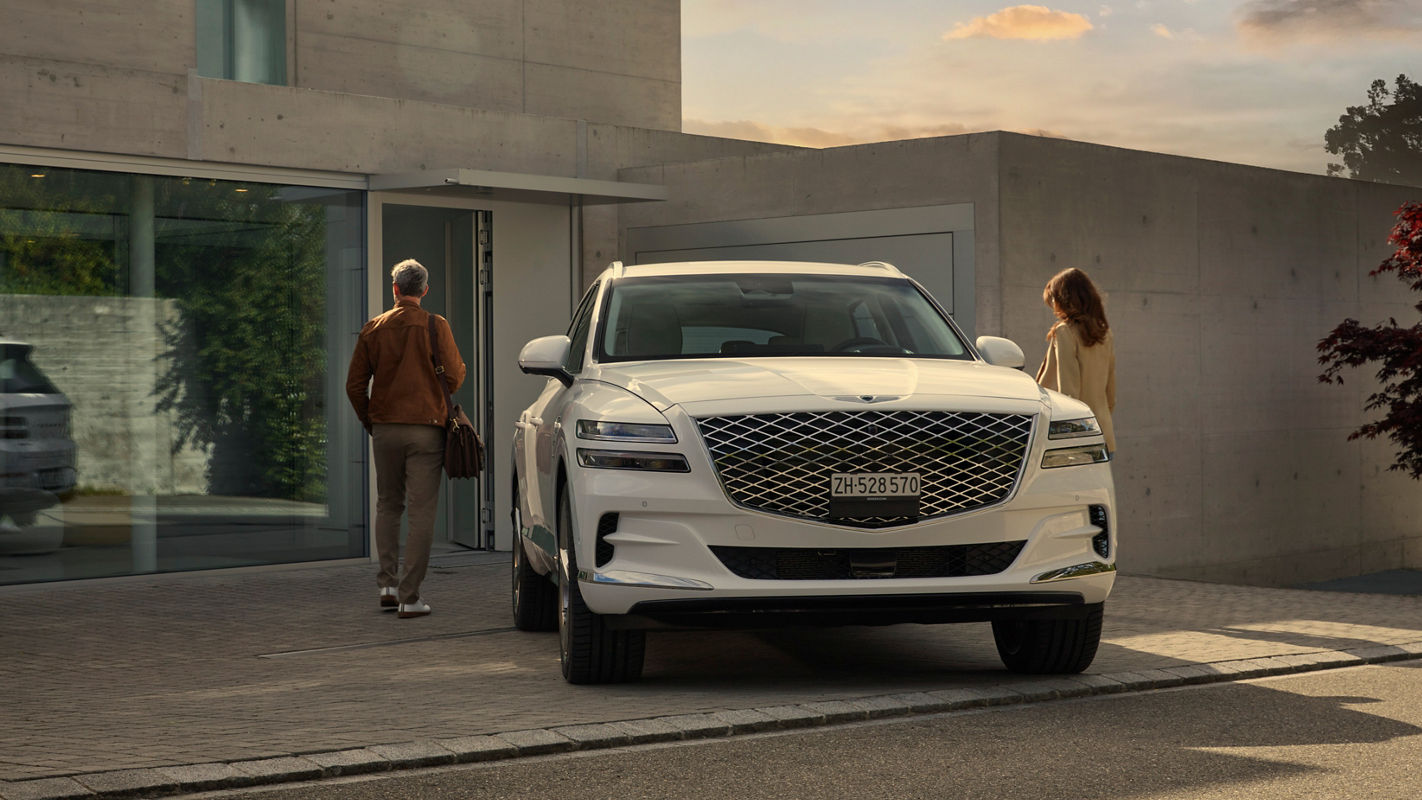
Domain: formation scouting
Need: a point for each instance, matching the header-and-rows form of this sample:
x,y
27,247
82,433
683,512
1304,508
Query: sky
x,y
1244,81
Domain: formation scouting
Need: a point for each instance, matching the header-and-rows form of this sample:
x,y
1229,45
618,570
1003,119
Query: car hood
x,y
668,383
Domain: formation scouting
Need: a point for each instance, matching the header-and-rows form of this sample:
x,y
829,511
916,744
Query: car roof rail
x,y
617,269
884,265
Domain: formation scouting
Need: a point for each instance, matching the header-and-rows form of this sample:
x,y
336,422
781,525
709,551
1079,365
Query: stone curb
x,y
184,779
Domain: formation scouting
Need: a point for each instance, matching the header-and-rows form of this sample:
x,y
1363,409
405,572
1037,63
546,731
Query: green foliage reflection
x,y
245,265
247,356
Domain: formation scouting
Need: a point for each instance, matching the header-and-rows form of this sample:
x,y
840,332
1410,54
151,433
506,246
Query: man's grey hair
x,y
411,277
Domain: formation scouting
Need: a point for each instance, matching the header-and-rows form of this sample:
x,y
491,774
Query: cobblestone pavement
x,y
202,680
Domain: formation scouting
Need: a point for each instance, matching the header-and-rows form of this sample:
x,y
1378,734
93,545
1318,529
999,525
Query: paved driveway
x,y
226,667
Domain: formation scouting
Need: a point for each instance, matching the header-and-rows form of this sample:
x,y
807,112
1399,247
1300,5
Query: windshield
x,y
702,316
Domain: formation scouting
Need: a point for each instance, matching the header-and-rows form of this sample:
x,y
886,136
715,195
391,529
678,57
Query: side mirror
x,y
1001,352
546,356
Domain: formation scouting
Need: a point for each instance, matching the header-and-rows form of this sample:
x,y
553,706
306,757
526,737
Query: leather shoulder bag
x,y
463,452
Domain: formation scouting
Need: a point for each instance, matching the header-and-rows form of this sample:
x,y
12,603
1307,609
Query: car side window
x,y
578,331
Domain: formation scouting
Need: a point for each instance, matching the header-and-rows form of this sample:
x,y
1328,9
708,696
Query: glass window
x,y
578,331
194,335
242,40
702,316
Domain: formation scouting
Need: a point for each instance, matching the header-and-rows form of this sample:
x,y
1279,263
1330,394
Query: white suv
x,y
748,444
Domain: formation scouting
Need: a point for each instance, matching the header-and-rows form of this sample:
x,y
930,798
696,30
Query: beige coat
x,y
1086,373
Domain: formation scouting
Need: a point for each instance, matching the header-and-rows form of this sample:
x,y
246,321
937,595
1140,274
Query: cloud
x,y
1023,22
1161,31
1270,23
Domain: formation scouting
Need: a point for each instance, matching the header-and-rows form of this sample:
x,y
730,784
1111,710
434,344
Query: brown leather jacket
x,y
394,348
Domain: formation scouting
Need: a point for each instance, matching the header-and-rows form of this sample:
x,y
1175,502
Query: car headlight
x,y
1075,456
600,430
1073,428
621,459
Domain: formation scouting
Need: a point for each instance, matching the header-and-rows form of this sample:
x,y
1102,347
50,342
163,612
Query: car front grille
x,y
822,564
782,463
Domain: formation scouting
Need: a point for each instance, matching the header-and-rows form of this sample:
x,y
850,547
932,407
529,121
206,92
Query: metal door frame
x,y
482,326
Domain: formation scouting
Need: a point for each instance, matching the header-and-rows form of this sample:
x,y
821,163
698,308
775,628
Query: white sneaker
x,y
388,598
419,608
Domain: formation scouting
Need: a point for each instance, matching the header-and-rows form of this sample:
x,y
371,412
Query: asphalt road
x,y
1346,733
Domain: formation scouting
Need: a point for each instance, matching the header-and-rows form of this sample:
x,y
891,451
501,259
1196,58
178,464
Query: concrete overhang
x,y
468,183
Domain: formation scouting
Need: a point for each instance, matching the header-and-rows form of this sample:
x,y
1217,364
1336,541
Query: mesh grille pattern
x,y
782,463
811,564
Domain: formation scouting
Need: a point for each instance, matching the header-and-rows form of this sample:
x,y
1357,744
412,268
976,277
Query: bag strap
x,y
439,372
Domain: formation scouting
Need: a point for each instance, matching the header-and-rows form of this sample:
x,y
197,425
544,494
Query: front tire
x,y
1049,646
535,598
590,652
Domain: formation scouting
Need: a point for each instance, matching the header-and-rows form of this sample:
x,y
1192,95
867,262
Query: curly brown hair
x,y
1073,298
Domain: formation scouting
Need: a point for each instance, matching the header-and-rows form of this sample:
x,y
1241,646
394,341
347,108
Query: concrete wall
x,y
614,62
1220,279
532,298
123,67
90,75
106,354
905,174
1234,462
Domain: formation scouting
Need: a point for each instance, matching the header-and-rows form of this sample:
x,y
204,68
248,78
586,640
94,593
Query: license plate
x,y
874,494
874,484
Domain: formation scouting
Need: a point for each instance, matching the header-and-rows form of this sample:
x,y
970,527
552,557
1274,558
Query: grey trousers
x,y
409,468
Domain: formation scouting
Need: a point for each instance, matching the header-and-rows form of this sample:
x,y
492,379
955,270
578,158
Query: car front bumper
x,y
663,569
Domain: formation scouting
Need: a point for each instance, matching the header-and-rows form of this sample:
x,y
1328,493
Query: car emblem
x,y
868,398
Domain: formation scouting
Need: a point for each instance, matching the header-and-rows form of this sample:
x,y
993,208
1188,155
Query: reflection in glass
x,y
179,332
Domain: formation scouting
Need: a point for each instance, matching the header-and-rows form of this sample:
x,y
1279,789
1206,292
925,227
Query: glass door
x,y
453,244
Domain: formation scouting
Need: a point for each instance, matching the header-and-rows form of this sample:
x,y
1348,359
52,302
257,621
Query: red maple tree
x,y
1398,351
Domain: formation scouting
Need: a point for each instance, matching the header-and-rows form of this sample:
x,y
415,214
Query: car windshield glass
x,y
744,315
18,375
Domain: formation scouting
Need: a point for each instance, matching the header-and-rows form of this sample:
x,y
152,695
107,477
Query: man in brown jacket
x,y
404,413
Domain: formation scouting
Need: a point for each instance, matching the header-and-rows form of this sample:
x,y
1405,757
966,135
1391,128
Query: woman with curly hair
x,y
1081,358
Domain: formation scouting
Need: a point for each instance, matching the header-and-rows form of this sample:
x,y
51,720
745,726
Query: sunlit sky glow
x,y
1245,81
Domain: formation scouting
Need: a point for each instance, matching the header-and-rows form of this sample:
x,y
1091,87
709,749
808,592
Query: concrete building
x,y
200,202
